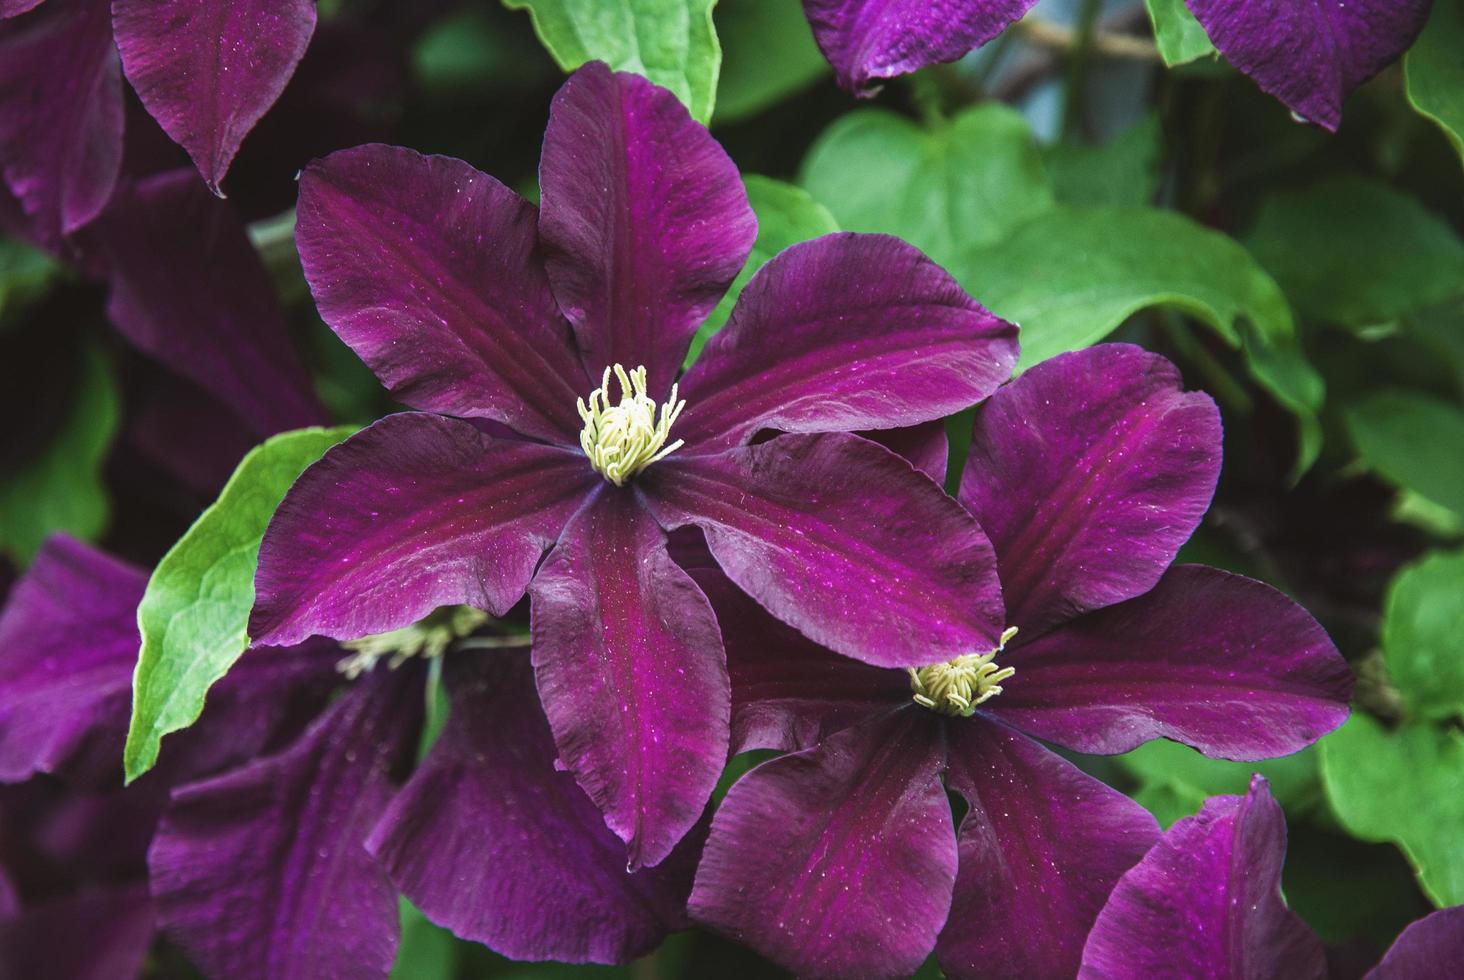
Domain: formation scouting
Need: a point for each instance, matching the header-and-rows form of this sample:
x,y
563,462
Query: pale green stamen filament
x,y
621,440
957,686
429,638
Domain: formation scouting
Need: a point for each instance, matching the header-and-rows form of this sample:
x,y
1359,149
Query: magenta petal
x,y
1206,902
97,934
926,446
843,540
1217,661
631,673
207,70
414,512
1311,55
844,332
644,221
868,41
1431,947
61,114
489,839
428,269
14,8
836,861
264,871
1041,847
1088,472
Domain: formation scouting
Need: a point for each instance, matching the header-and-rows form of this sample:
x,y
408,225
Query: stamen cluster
x,y
623,439
957,686
429,638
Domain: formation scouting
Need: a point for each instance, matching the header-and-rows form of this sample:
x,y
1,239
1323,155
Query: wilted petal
x,y
98,934
1088,472
264,871
836,861
1217,661
868,41
1041,847
1206,902
843,540
494,842
1431,947
427,268
631,673
644,221
414,512
844,332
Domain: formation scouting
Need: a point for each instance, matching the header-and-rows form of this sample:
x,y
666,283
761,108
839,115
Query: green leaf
x,y
786,215
671,42
966,183
62,488
1435,70
1414,441
1404,786
768,53
25,274
1356,253
195,612
1175,776
426,951
1423,623
1122,172
1179,37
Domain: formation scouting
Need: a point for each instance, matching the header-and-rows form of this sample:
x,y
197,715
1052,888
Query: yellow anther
x,y
957,686
621,440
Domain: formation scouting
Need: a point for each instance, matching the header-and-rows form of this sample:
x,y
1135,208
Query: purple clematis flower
x,y
1088,472
560,332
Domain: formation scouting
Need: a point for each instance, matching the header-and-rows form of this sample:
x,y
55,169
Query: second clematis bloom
x,y
1088,472
560,333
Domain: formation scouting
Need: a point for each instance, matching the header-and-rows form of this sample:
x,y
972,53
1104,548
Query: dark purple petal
x,y
1088,472
14,8
843,540
844,332
414,512
1217,661
836,861
926,446
99,934
1041,847
207,70
61,114
631,673
490,840
1311,55
644,221
868,41
427,268
264,871
1431,947
1206,902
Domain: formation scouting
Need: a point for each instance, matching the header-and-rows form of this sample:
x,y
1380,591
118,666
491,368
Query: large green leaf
x,y
1413,440
1435,70
768,53
195,613
1405,786
62,489
1124,171
1179,37
1175,780
671,42
1423,636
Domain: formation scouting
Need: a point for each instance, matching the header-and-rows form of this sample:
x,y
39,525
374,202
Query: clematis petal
x,y
632,674
843,540
415,512
1088,472
14,8
262,871
926,446
1041,847
490,840
838,860
868,41
61,116
1217,661
844,332
101,933
207,70
1430,947
427,268
1206,902
1311,55
644,221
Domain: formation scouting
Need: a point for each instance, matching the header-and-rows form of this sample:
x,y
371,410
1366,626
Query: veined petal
x,y
492,841
428,269
414,512
843,540
1041,847
1430,947
926,446
841,333
1088,472
839,860
645,222
1218,661
631,673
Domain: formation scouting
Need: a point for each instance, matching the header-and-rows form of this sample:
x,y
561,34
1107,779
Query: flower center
x,y
428,638
957,686
621,440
